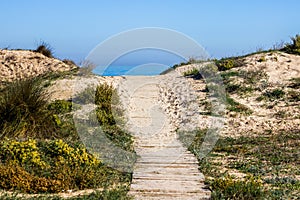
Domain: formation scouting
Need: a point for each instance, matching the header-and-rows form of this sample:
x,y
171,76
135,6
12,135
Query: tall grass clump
x,y
23,110
45,49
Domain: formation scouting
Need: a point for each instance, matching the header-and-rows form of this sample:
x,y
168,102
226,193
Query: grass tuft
x,y
23,111
45,49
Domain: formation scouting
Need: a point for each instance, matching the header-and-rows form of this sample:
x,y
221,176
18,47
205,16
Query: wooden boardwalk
x,y
164,168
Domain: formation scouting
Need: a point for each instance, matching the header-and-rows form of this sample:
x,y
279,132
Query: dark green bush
x,y
45,49
228,63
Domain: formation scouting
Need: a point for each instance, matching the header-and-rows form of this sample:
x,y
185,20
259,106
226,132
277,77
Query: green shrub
x,y
108,112
108,105
225,64
47,166
45,49
228,188
191,72
228,63
60,106
23,111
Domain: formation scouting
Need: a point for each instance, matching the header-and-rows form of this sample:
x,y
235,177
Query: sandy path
x,y
164,169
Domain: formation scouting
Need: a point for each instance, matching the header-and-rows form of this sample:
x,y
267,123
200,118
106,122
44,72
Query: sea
x,y
141,70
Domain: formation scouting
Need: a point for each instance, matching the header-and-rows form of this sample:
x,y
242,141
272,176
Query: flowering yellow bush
x,y
21,153
48,166
66,154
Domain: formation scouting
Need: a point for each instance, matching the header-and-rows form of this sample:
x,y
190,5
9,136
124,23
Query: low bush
x,y
294,96
294,47
21,153
191,72
228,63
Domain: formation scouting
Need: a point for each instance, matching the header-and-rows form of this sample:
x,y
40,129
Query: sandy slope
x,y
19,64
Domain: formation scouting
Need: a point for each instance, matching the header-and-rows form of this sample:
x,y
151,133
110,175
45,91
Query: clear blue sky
x,y
74,27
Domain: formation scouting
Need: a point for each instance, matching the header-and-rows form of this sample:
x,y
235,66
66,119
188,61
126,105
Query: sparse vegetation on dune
x,y
252,160
294,47
248,167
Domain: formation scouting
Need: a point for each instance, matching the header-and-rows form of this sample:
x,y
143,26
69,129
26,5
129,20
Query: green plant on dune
x,y
272,95
228,188
294,47
191,72
110,116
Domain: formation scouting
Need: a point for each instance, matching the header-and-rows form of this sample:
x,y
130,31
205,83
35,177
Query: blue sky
x,y
74,27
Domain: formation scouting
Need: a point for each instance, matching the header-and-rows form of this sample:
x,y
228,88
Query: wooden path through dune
x,y
164,168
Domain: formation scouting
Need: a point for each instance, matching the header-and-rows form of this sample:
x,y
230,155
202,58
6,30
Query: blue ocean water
x,y
142,70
